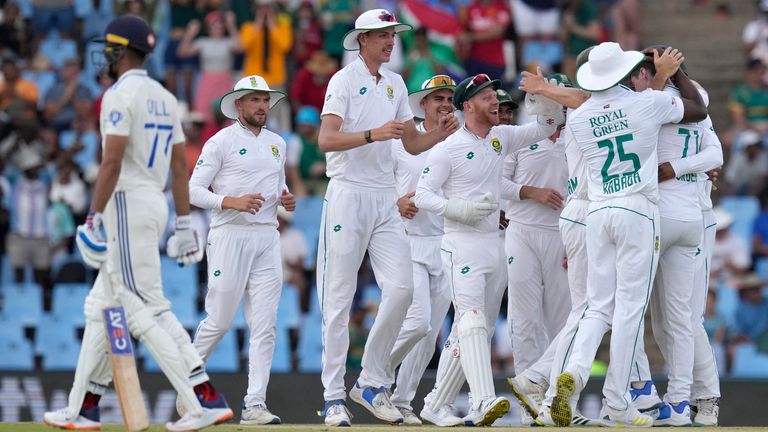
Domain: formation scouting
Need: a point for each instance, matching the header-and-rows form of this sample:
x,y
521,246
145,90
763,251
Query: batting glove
x,y
91,240
184,244
538,104
470,212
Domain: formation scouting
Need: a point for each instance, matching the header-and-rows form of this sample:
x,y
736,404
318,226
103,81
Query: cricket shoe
x,y
526,419
631,417
217,404
442,417
568,385
529,393
409,418
674,415
544,417
580,420
376,400
258,415
192,422
489,410
85,420
645,398
705,411
336,413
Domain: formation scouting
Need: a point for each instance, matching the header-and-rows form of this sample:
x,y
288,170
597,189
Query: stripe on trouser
x,y
125,246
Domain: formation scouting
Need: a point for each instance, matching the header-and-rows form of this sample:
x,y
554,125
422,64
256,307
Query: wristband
x,y
368,136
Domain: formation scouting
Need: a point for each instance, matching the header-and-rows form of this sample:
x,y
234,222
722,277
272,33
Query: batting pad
x,y
450,381
476,356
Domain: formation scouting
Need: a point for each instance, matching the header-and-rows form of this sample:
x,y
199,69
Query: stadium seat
x,y
57,49
307,217
10,327
88,156
727,302
180,287
24,301
761,268
744,210
749,363
53,329
288,317
68,300
16,354
311,343
225,358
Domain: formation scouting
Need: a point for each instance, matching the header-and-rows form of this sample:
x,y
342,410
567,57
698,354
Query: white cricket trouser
x,y
431,299
622,245
538,299
354,221
706,382
573,229
243,264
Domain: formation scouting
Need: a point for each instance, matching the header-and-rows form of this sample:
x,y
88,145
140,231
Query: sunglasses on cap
x,y
387,17
440,80
479,79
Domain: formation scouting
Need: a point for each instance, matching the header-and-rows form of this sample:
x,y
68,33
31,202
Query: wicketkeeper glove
x,y
92,241
470,212
184,244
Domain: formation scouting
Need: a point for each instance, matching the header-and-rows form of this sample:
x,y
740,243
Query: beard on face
x,y
255,122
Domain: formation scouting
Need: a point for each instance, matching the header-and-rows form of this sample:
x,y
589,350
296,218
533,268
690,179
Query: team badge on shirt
x,y
390,92
275,152
656,244
115,117
496,144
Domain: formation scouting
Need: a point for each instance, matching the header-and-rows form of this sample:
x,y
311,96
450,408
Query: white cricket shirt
x,y
541,165
235,162
577,166
467,166
362,103
138,107
408,169
617,131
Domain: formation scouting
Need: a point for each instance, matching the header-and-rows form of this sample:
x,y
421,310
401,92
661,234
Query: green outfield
x,y
36,427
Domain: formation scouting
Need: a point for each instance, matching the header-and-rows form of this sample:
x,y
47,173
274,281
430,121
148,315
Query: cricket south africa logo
x,y
254,83
117,331
275,152
390,92
496,144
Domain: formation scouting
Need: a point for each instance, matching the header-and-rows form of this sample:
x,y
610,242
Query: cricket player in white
x,y
142,140
244,165
681,231
462,182
617,132
431,297
366,107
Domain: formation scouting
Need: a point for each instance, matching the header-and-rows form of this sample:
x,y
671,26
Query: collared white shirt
x,y
467,166
408,169
577,167
543,165
617,131
235,162
362,103
139,108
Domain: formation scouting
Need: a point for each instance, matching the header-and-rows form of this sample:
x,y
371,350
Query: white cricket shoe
x,y
630,417
489,410
258,415
376,400
580,420
409,418
337,414
543,417
191,422
62,420
442,417
529,393
674,415
645,398
568,385
704,412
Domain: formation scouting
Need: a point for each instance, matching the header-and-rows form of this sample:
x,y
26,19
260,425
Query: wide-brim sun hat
x,y
435,83
471,86
247,85
608,64
374,19
723,218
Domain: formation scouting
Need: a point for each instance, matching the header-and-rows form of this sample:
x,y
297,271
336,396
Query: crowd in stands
x,y
50,144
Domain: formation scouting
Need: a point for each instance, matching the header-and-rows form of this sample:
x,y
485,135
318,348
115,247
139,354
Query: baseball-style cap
x,y
560,79
608,64
247,85
130,30
505,98
470,87
437,82
374,19
308,115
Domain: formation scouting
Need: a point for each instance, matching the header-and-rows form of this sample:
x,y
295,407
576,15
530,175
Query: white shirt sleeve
x,y
178,132
336,97
281,181
429,191
667,108
116,115
509,189
208,165
710,156
516,137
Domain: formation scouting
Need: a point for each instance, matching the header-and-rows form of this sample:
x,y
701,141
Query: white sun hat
x,y
723,218
437,82
374,19
608,64
247,85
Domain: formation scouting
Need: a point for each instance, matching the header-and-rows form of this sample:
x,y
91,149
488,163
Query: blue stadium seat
x,y
57,49
10,327
744,210
150,365
44,80
68,300
311,343
288,317
86,157
6,272
727,302
749,363
52,330
225,358
307,217
24,301
761,268
180,287
16,354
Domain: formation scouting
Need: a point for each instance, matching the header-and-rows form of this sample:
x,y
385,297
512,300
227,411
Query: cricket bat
x,y
124,373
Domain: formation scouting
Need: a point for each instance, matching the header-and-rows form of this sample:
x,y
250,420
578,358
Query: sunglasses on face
x,y
479,79
440,80
387,17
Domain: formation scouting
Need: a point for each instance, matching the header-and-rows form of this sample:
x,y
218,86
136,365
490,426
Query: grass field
x,y
36,427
